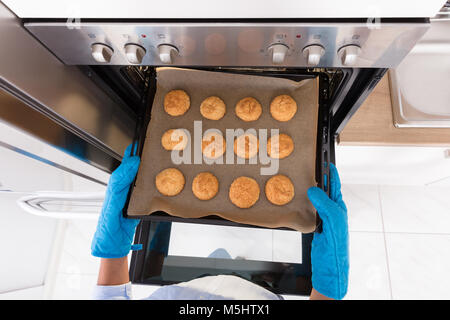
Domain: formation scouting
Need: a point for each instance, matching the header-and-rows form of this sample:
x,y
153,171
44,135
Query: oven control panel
x,y
230,44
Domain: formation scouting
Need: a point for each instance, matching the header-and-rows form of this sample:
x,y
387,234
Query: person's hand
x,y
114,235
329,250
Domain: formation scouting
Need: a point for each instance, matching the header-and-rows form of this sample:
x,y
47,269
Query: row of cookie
x,y
282,108
243,192
245,146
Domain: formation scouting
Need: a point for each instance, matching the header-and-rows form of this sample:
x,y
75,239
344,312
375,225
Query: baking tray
x,y
321,153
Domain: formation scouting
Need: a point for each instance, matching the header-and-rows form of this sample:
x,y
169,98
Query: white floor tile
x,y
443,182
74,286
198,240
85,228
368,278
415,209
363,207
26,242
419,265
441,195
76,254
34,293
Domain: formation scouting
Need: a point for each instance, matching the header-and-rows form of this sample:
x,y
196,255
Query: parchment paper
x,y
299,214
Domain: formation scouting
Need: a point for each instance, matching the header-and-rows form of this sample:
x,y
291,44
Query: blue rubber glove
x,y
114,235
329,249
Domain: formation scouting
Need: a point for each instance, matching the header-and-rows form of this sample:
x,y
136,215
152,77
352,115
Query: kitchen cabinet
x,y
371,150
373,124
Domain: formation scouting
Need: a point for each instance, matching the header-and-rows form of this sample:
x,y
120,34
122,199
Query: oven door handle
x,y
67,205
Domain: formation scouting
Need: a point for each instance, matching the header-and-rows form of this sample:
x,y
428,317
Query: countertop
x,y
373,124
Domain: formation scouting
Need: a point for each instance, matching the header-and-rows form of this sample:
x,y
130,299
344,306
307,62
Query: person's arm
x,y
113,281
113,272
113,238
329,249
315,295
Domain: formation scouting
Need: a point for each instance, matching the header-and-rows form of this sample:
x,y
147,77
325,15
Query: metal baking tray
x,y
323,143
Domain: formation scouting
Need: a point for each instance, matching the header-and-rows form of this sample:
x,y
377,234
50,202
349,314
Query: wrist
x,y
332,285
113,271
316,295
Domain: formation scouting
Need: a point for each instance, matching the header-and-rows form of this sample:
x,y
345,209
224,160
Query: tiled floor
x,y
369,275
399,246
399,242
77,270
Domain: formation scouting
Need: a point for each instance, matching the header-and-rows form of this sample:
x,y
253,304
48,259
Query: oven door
x,y
88,114
160,262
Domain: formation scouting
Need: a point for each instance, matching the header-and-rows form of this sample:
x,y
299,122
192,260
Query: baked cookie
x,y
176,102
213,145
174,139
283,108
248,109
170,182
246,146
244,192
213,108
280,146
205,186
279,190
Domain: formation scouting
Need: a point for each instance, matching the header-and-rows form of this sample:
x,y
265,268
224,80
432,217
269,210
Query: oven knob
x,y
135,53
349,54
279,51
313,53
101,52
166,51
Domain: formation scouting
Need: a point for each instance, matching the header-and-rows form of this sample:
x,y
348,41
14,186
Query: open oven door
x,y
60,122
60,104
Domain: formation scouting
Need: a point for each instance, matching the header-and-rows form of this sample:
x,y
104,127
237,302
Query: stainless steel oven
x,y
94,77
